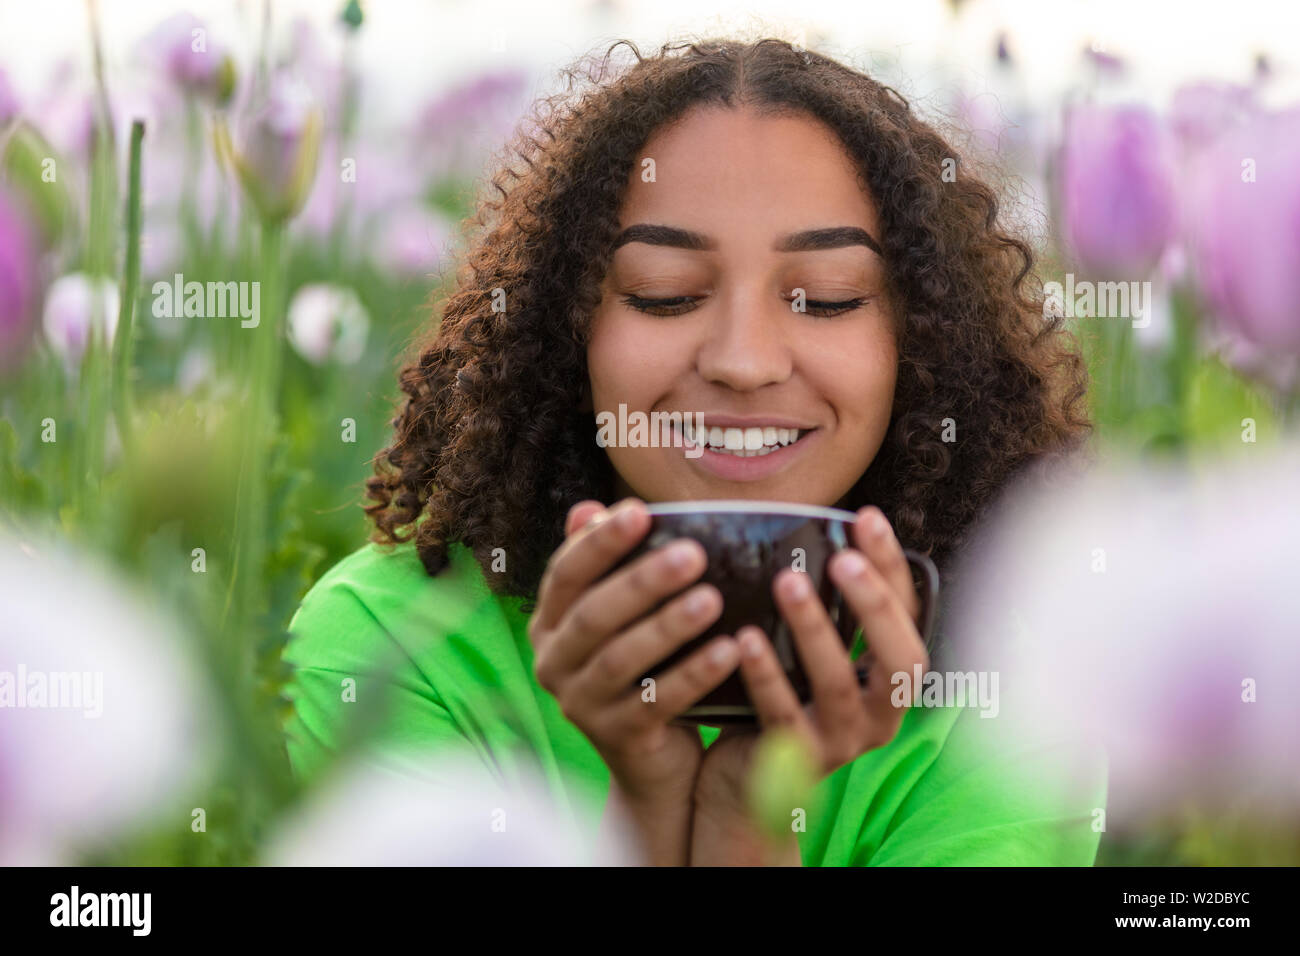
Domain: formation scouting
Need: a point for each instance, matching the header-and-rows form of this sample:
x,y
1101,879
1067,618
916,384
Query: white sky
x,y
411,48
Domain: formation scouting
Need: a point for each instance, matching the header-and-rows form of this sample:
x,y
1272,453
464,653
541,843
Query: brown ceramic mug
x,y
747,543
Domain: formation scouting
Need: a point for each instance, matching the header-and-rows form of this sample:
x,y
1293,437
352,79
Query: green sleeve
x,y
991,798
352,682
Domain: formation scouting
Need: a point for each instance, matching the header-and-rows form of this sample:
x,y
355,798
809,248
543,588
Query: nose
x,y
747,343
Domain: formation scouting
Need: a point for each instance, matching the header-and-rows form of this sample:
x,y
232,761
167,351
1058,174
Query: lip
x,y
749,421
755,467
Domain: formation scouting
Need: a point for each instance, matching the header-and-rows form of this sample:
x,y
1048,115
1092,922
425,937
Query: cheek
x,y
859,380
628,360
603,351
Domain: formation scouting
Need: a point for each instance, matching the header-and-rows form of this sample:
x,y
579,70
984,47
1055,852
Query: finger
x,y
683,685
895,645
618,663
876,539
617,602
774,699
837,695
580,514
585,556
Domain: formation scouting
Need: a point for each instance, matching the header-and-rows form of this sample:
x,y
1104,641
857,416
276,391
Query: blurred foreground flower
x,y
328,323
438,809
1115,189
277,150
74,305
104,722
783,777
1245,225
17,282
1156,610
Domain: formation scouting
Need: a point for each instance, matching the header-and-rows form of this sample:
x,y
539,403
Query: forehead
x,y
736,171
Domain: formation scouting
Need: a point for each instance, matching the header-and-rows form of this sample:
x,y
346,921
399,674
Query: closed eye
x,y
677,305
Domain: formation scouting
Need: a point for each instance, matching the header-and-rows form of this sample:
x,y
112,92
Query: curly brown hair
x,y
490,447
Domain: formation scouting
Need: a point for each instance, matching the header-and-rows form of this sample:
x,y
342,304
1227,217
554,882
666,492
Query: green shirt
x,y
383,651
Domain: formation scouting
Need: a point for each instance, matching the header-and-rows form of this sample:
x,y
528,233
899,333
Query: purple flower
x,y
1115,189
371,179
278,150
1103,62
1244,205
1002,51
1201,112
65,111
455,131
412,241
17,282
191,59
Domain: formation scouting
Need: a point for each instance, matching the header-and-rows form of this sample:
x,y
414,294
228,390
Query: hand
x,y
843,721
593,642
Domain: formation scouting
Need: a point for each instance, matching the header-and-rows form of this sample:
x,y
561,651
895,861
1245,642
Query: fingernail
x,y
849,565
794,586
722,653
679,554
626,519
751,645
697,603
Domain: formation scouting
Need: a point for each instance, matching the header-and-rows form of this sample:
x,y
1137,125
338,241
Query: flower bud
x,y
277,154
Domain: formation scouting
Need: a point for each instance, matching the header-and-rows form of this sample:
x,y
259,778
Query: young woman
x,y
762,235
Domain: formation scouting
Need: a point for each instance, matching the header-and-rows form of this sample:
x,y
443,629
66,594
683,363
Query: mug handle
x,y
926,575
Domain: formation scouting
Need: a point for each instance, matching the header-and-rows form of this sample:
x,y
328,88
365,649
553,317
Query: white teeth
x,y
748,442
744,442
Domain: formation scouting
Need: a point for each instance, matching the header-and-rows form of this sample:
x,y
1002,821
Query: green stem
x,y
190,177
263,388
122,399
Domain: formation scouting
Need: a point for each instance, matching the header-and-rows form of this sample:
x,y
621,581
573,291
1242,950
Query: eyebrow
x,y
810,240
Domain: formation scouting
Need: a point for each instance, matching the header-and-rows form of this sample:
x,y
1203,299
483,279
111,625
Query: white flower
x,y
328,323
442,809
133,718
75,303
1160,607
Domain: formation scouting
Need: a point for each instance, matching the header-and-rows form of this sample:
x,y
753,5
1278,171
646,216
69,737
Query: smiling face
x,y
700,313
